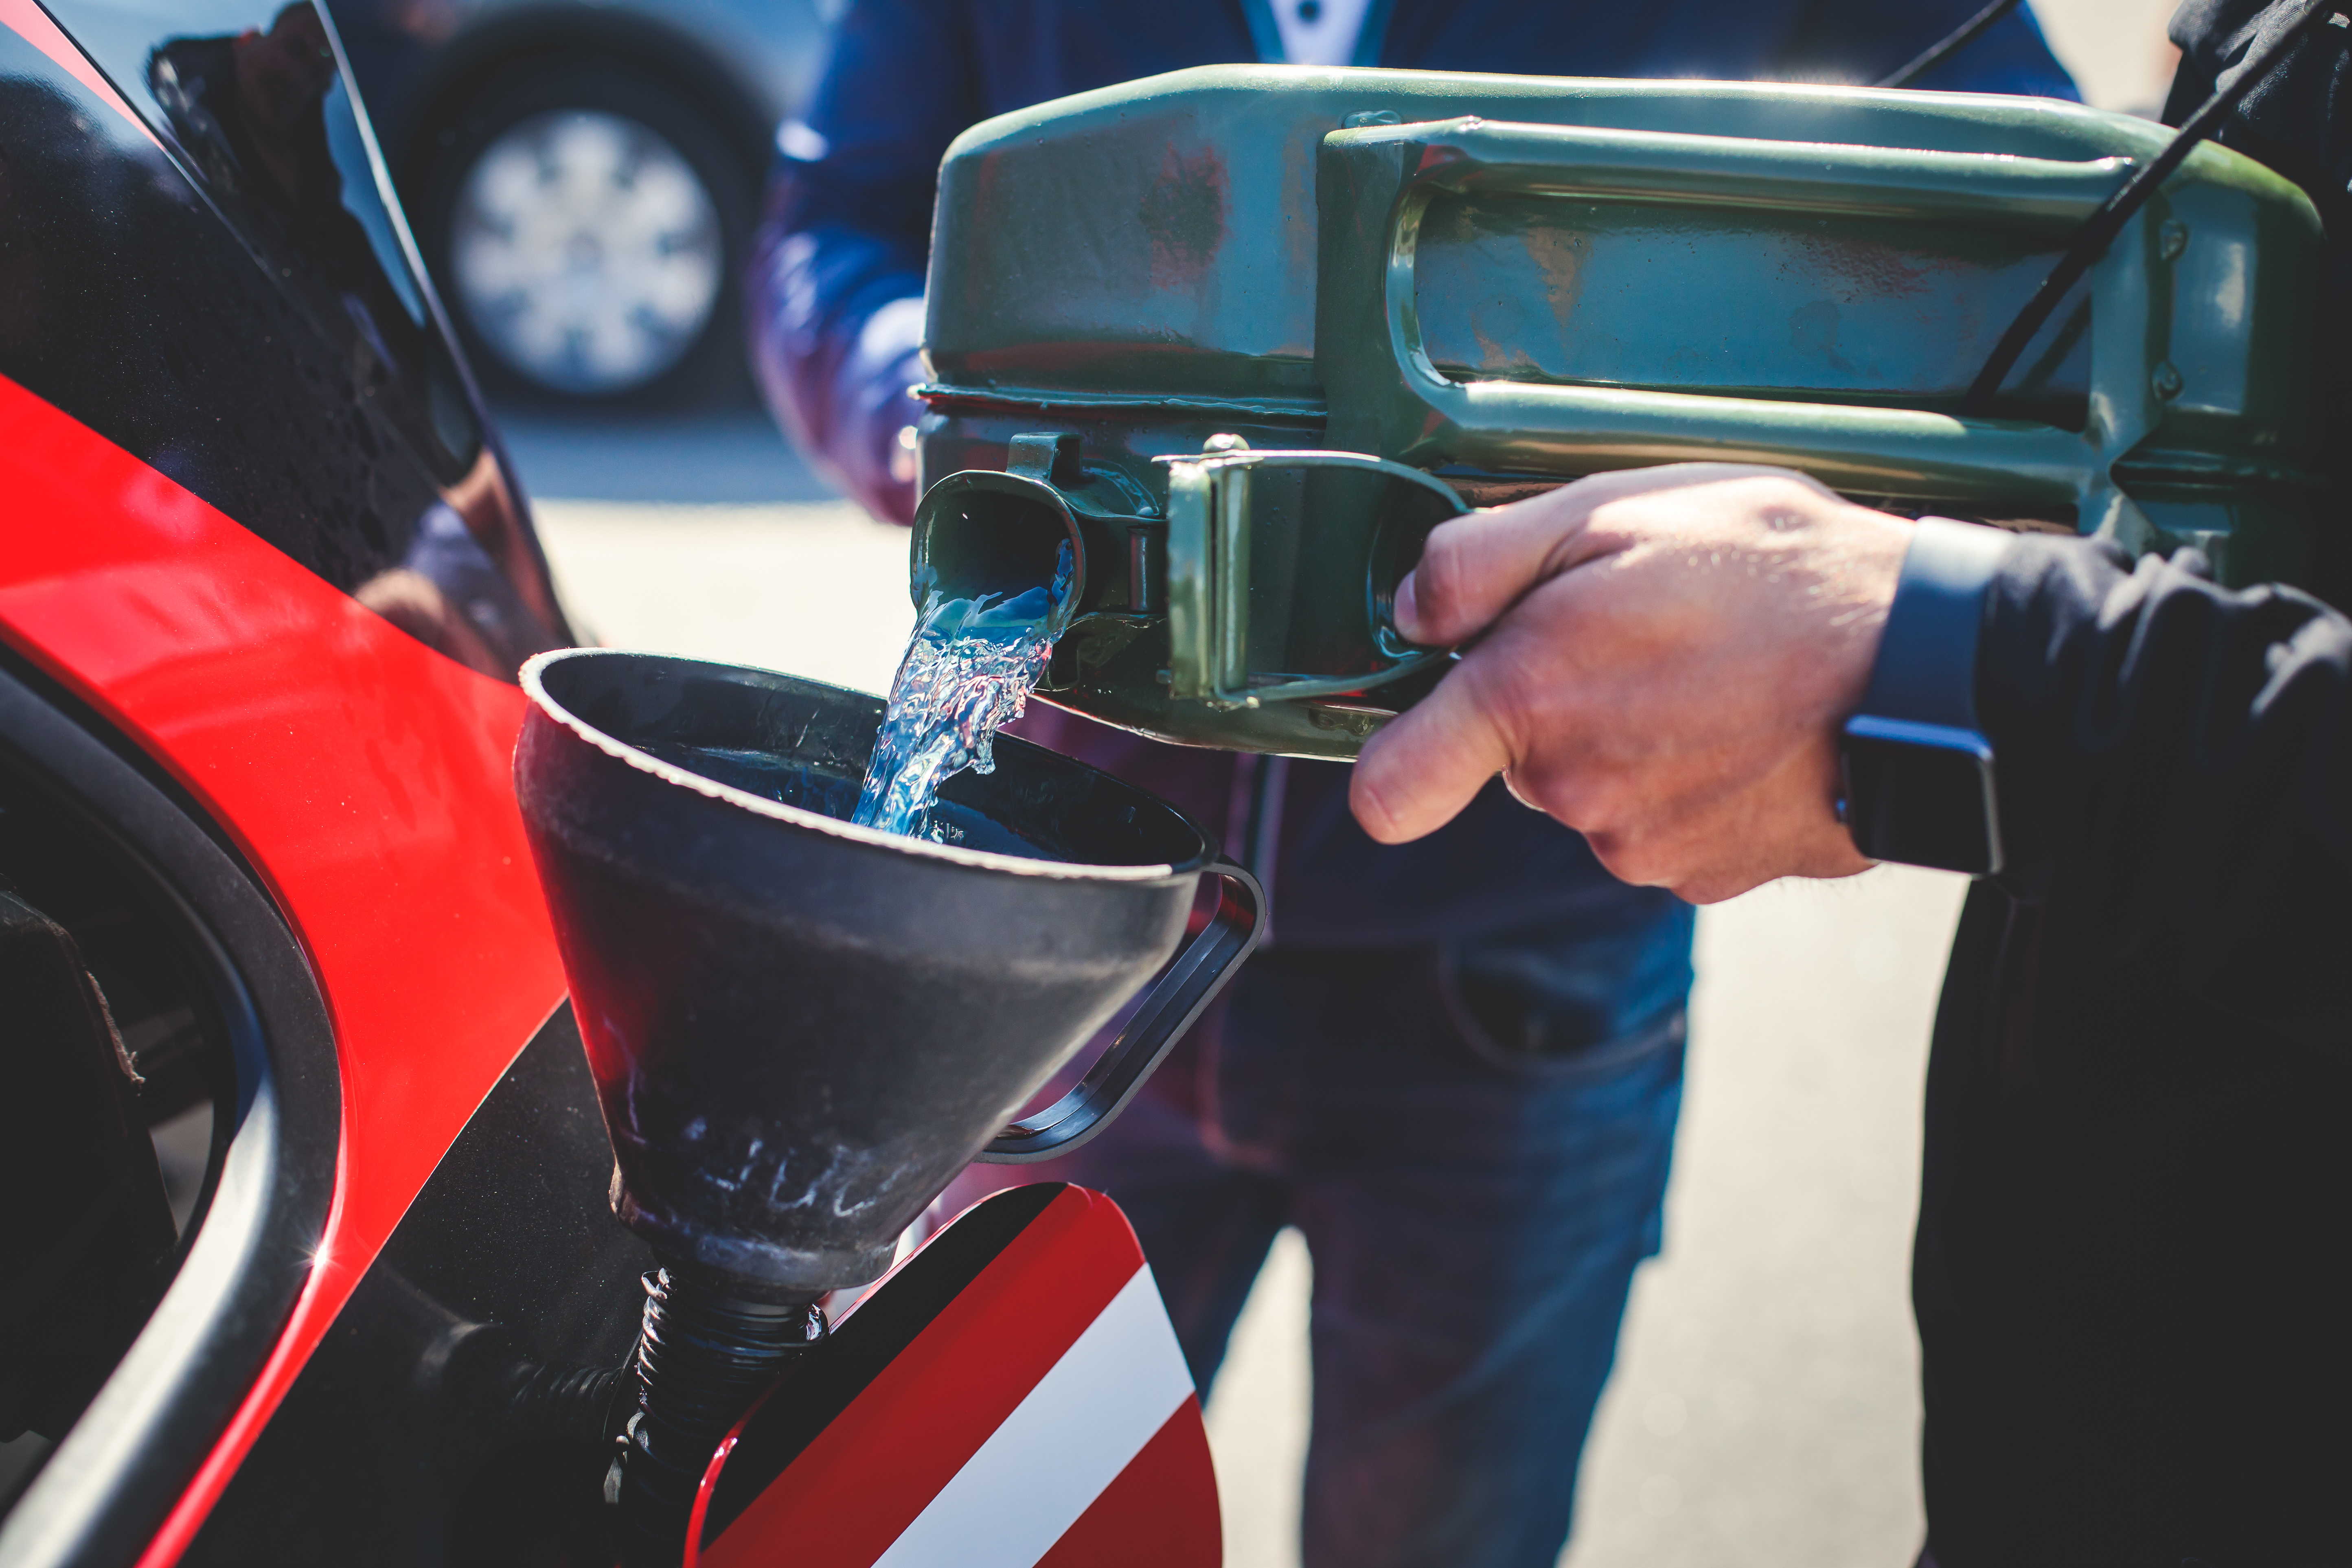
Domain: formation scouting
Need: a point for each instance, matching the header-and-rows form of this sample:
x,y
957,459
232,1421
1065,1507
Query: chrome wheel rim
x,y
587,251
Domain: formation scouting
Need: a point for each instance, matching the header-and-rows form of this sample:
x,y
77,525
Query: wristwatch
x,y
1916,771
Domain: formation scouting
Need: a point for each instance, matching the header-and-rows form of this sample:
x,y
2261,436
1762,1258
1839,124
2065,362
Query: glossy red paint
x,y
1162,1512
848,1497
367,779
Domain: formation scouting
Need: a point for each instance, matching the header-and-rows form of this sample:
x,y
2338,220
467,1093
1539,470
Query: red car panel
x,y
1015,1381
366,778
265,581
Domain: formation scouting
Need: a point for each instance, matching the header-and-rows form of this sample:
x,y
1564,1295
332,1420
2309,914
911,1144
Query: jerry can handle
x,y
1377,183
1183,994
1209,578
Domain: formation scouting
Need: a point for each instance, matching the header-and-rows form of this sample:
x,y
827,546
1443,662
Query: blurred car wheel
x,y
586,224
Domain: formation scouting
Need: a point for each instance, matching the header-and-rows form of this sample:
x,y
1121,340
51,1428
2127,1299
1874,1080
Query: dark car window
x,y
121,1087
234,301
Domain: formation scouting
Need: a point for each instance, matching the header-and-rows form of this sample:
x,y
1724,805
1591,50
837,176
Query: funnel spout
x,y
704,1352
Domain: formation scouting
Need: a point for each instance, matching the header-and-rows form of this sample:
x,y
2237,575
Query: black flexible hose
x,y
2101,227
703,1353
1950,45
571,1401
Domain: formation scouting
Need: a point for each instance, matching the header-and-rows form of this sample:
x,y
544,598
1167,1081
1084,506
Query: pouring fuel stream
x,y
968,669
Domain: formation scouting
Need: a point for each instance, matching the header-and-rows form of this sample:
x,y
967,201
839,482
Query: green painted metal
x,y
1508,283
1209,529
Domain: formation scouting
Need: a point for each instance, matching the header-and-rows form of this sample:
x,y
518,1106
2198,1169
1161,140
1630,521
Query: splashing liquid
x,y
969,670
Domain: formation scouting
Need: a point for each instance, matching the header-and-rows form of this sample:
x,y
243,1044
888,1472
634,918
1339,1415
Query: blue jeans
x,y
1474,1140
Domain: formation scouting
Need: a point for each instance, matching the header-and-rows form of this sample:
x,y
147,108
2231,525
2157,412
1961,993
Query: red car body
x,y
265,583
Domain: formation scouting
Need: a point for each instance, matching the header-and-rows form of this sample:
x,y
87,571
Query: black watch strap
x,y
1916,769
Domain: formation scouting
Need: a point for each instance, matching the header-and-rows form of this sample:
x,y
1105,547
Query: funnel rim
x,y
646,763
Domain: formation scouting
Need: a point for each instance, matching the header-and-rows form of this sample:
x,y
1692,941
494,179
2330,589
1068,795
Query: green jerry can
x,y
1242,334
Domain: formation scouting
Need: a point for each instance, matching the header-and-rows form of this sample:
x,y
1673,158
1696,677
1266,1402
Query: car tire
x,y
585,223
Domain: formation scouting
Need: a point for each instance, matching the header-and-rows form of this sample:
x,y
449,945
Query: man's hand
x,y
1667,656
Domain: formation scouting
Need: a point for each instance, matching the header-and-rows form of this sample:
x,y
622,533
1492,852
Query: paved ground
x,y
815,588
1765,1408
2116,49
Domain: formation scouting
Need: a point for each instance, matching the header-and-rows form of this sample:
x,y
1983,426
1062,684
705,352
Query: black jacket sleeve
x,y
2166,750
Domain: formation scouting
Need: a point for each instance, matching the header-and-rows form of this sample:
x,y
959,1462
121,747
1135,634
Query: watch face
x,y
1922,798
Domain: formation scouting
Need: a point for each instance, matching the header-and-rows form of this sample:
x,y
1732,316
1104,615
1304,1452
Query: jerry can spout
x,y
1182,598
983,532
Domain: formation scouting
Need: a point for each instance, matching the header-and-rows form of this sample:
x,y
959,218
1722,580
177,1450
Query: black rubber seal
x,y
109,1486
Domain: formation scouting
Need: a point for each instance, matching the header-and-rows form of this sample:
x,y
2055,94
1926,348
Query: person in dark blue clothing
x,y
1458,1065
2128,1266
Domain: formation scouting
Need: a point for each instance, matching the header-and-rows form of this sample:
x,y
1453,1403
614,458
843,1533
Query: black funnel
x,y
800,1029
